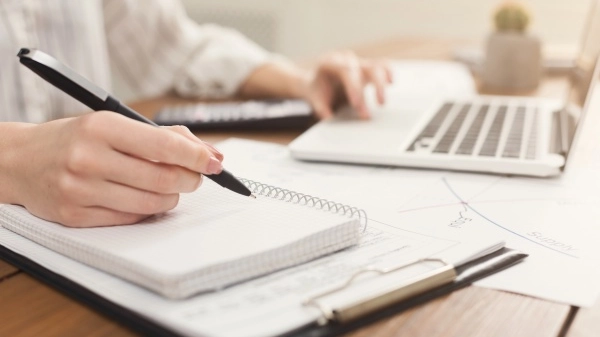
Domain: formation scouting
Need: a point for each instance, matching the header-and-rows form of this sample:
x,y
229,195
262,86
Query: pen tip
x,y
252,196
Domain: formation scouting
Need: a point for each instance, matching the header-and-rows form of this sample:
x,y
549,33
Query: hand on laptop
x,y
337,77
341,77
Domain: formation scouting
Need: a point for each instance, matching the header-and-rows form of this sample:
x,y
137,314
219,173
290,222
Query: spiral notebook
x,y
212,239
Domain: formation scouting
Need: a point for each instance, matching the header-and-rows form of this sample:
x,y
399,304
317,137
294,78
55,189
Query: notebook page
x,y
213,238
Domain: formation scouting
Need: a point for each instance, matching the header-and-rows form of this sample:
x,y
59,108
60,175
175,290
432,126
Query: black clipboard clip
x,y
374,300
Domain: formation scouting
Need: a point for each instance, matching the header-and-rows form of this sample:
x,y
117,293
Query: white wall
x,y
302,28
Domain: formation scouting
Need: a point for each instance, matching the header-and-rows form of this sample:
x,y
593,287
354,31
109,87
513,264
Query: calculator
x,y
246,115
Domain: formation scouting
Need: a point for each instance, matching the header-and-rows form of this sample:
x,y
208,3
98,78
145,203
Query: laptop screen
x,y
586,60
582,74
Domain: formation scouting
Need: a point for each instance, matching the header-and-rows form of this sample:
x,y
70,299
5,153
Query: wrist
x,y
277,79
299,83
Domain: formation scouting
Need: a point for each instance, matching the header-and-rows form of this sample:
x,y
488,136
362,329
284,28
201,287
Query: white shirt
x,y
152,44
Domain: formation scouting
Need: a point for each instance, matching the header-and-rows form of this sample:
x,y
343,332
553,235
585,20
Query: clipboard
x,y
334,321
423,288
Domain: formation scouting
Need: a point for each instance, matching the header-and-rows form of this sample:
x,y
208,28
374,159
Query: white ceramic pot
x,y
513,61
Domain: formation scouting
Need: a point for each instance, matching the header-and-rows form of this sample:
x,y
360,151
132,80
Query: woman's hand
x,y
105,169
342,76
337,77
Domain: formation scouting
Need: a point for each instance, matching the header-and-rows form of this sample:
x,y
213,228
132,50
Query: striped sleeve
x,y
157,48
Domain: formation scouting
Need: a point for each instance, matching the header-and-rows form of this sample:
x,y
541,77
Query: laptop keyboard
x,y
482,129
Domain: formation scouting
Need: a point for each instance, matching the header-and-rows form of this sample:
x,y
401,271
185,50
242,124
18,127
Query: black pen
x,y
67,80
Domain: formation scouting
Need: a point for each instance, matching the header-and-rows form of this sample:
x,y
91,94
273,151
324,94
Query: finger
x,y
147,175
99,217
184,131
160,144
376,75
345,68
125,199
353,83
388,72
322,109
351,79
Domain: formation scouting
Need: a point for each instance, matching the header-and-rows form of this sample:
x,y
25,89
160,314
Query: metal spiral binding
x,y
305,199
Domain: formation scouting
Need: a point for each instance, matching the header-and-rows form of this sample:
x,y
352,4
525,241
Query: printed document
x,y
555,220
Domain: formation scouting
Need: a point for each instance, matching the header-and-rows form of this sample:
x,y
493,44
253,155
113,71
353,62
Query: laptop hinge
x,y
562,131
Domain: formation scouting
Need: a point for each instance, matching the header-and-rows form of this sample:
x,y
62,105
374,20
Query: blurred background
x,y
301,29
304,29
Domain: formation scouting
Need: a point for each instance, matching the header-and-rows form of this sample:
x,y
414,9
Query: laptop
x,y
495,134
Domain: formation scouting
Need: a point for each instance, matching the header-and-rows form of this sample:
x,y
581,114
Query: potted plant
x,y
513,57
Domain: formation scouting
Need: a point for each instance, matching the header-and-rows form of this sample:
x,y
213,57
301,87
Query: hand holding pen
x,y
106,169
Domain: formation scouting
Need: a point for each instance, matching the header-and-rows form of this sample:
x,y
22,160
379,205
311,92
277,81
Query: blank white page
x,y
213,238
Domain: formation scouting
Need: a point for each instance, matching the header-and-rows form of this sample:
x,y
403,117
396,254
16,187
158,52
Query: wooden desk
x,y
29,308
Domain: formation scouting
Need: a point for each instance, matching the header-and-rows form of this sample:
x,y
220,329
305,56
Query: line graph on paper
x,y
532,211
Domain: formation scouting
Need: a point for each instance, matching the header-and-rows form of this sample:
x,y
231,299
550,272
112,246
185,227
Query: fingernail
x,y
212,148
214,166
